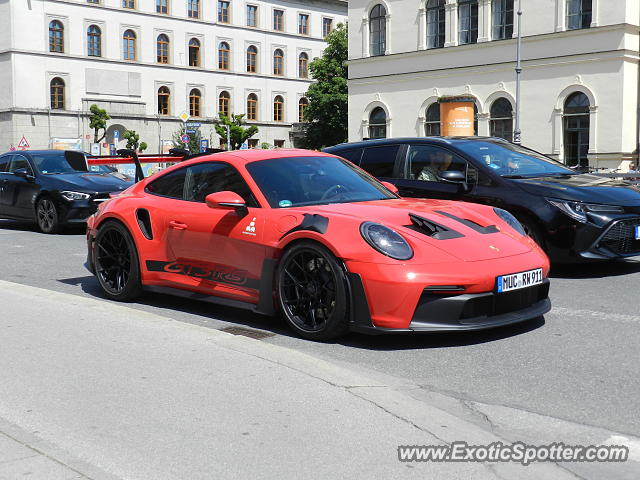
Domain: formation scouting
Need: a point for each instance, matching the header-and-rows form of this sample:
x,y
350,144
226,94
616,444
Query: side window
x,y
206,178
169,185
18,162
379,161
4,163
426,162
352,155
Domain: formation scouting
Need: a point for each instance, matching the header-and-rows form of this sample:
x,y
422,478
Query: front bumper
x,y
77,211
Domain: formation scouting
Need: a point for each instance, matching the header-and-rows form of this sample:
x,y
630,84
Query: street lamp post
x,y
517,133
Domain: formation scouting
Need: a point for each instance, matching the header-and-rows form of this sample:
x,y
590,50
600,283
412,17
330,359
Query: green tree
x,y
98,121
194,139
326,115
133,141
239,134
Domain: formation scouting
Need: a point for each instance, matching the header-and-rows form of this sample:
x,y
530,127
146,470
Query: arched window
x,y
252,107
435,23
377,30
303,65
432,120
576,129
129,45
56,36
162,6
224,103
278,109
302,106
57,93
467,21
94,41
193,8
194,52
224,56
501,119
278,62
164,97
162,48
195,102
378,123
252,59
502,19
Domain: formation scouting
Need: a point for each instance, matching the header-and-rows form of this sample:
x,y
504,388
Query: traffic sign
x,y
23,143
116,137
204,144
244,146
184,116
193,125
185,138
190,131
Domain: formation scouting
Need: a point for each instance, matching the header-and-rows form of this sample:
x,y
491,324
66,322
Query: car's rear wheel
x,y
116,262
312,292
47,216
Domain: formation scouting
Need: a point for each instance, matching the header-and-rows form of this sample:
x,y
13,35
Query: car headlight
x,y
386,241
510,220
578,210
71,196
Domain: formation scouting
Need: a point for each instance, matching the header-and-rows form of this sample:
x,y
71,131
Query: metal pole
x,y
517,133
228,136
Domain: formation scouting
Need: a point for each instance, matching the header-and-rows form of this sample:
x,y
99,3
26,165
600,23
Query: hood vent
x,y
468,223
432,229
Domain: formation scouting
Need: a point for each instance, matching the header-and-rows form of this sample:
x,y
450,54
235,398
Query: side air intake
x,y
144,222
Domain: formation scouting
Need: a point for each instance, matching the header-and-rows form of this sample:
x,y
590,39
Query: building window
x,y
502,19
378,123
327,26
162,48
432,120
435,23
223,11
252,107
377,30
467,21
56,37
93,1
128,3
278,20
576,129
278,109
224,102
57,93
193,8
194,52
578,14
224,54
252,59
164,96
94,41
501,119
303,103
303,24
195,102
252,16
129,45
162,6
303,65
278,62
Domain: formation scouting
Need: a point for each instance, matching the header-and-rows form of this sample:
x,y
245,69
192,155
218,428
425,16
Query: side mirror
x,y
391,187
23,173
227,200
453,176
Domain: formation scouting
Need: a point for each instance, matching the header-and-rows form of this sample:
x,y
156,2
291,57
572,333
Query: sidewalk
x,y
93,388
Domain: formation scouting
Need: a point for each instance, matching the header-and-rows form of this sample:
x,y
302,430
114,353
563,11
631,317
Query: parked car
x,y
573,216
54,188
319,240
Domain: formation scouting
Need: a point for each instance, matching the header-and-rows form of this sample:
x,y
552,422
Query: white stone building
x,y
148,61
580,81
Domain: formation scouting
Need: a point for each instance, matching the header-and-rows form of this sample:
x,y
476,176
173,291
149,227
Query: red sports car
x,y
314,237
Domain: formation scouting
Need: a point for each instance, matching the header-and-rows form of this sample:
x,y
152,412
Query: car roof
x,y
254,155
403,140
31,152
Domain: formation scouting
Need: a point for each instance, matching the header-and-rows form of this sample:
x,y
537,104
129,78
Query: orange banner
x,y
456,115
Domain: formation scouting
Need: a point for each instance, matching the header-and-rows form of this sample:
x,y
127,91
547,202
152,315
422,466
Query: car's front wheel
x,y
47,216
312,292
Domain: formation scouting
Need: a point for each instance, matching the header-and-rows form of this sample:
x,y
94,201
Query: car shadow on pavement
x,y
595,270
15,225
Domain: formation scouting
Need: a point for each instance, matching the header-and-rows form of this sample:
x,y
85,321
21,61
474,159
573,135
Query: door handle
x,y
177,225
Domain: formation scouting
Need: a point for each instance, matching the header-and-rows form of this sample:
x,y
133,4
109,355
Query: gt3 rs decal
x,y
208,272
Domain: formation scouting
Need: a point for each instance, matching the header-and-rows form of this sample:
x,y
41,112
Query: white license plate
x,y
515,281
637,232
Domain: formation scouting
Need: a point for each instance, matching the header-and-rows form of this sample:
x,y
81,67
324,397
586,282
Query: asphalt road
x,y
576,370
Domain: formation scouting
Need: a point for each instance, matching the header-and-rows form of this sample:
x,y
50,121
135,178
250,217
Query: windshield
x,y
509,160
52,163
299,181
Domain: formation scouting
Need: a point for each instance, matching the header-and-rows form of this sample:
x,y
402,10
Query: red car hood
x,y
473,246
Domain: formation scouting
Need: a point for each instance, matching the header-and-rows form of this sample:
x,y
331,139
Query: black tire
x,y
115,261
311,288
47,215
532,229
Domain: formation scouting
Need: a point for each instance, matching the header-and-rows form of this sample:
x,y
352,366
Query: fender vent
x,y
432,229
144,222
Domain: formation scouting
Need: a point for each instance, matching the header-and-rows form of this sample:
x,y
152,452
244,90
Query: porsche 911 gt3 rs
x,y
315,238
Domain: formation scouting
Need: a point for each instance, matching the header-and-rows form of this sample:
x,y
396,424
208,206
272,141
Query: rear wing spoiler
x,y
127,156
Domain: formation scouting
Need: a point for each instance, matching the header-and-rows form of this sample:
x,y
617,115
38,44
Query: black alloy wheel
x,y
47,216
312,292
116,262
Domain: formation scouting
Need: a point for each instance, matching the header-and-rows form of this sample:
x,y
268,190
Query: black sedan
x,y
571,215
54,187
